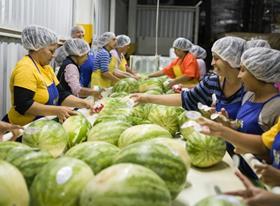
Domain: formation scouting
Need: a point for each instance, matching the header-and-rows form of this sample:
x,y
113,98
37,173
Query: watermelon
x,y
47,135
161,158
220,200
126,185
98,155
166,117
140,133
151,84
29,161
107,131
60,182
5,147
140,114
13,189
118,94
76,127
128,85
204,150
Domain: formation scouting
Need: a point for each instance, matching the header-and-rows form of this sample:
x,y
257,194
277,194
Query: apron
x,y
98,80
275,152
249,114
178,73
123,64
52,89
232,109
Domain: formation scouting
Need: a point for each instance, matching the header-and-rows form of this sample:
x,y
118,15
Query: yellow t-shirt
x,y
27,76
269,136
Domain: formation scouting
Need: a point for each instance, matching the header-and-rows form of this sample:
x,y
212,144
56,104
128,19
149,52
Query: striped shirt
x,y
203,93
102,60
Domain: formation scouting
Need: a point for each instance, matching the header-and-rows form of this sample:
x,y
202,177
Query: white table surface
x,y
202,181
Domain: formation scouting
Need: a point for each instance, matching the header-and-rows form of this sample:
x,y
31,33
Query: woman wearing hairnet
x,y
35,90
200,55
260,69
256,43
69,72
184,69
103,71
224,84
122,69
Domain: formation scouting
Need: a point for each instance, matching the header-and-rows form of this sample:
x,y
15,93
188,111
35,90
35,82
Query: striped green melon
x,y
140,114
118,94
13,189
162,159
220,200
47,135
98,155
77,127
107,131
151,84
128,85
166,117
29,161
178,148
5,147
204,150
143,132
60,182
126,185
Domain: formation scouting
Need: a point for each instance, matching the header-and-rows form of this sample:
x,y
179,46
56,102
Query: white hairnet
x,y
229,49
262,63
76,47
36,37
122,40
105,38
198,51
256,43
182,43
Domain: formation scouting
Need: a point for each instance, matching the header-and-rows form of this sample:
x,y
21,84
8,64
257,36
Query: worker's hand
x,y
7,127
210,127
254,196
64,112
139,98
269,174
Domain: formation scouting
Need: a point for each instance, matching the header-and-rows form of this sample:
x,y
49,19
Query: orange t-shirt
x,y
189,67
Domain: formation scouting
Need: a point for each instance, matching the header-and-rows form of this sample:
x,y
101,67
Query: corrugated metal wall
x,y
15,15
173,21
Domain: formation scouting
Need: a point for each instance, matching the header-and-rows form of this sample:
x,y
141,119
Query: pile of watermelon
x,y
131,155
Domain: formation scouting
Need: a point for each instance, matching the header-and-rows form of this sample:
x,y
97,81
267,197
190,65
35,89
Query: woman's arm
x,y
157,74
110,76
168,99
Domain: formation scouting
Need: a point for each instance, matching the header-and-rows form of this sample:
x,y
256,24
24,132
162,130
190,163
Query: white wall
x,y
16,14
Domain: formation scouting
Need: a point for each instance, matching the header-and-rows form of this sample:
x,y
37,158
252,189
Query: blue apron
x,y
86,70
232,110
275,152
249,113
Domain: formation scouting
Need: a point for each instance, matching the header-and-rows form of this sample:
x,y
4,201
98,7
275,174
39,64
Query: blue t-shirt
x,y
86,70
102,60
